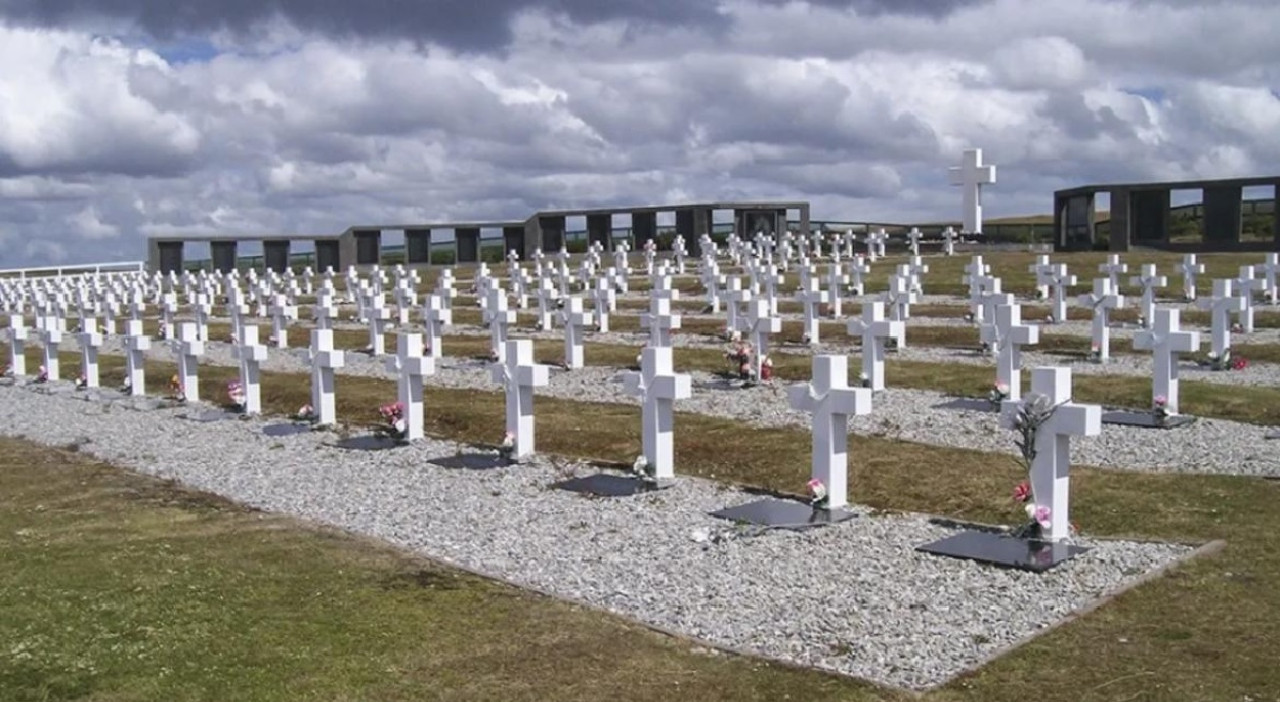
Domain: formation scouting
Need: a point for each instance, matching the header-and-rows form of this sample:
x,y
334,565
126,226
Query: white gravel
x,y
854,598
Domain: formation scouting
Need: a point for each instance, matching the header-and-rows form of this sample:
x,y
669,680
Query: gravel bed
x,y
854,598
1211,446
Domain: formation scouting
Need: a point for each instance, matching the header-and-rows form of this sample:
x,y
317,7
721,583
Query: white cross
x,y
410,367
605,300
1113,268
281,313
971,175
250,355
189,349
899,297
949,241
497,317
811,297
660,322
761,322
1190,268
324,311
1245,286
90,341
519,375
435,315
50,337
658,386
17,345
1148,280
1268,270
324,361
136,345
874,330
734,295
379,317
857,269
989,302
1050,469
914,237
1008,335
1041,269
1059,280
547,296
1166,340
836,280
1220,305
575,321
1102,300
831,401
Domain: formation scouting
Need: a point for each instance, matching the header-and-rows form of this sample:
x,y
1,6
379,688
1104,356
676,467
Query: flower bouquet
x,y
643,470
739,357
1037,515
818,494
235,393
999,393
82,382
175,389
1160,408
305,413
1095,354
42,375
766,369
393,422
1219,362
508,445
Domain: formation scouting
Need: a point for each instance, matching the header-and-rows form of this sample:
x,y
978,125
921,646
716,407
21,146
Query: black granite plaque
x,y
289,429
1003,550
1148,420
367,443
783,514
971,404
1272,435
472,461
606,485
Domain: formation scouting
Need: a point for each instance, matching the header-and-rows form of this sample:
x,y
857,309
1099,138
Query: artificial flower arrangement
x,y
999,393
1160,408
508,445
42,375
643,469
82,382
175,389
1225,361
766,369
1095,354
731,335
305,413
393,422
739,357
235,393
1034,411
818,494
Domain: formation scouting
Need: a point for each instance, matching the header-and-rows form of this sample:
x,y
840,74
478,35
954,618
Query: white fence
x,y
71,269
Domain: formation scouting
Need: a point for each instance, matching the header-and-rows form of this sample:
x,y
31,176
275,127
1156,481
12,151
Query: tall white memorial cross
x,y
1166,340
136,345
1050,468
1190,268
324,361
1008,335
811,296
17,345
761,322
1220,305
971,175
913,237
831,401
50,333
1059,280
498,318
250,354
1148,280
1245,285
1102,300
658,386
435,315
575,322
1112,269
519,375
1268,270
874,330
189,349
410,367
660,322
90,341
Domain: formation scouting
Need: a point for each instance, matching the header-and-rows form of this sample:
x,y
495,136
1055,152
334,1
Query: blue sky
x,y
125,118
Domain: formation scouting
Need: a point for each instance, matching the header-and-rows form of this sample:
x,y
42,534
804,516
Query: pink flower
x,y
817,490
1040,514
1160,401
1022,492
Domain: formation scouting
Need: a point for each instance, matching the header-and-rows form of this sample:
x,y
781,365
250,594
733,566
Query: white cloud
x,y
103,141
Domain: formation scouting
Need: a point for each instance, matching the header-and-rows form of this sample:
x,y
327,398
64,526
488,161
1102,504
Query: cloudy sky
x,y
121,119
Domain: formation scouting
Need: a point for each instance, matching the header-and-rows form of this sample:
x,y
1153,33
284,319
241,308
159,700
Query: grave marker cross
x,y
1166,340
519,375
658,386
831,401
